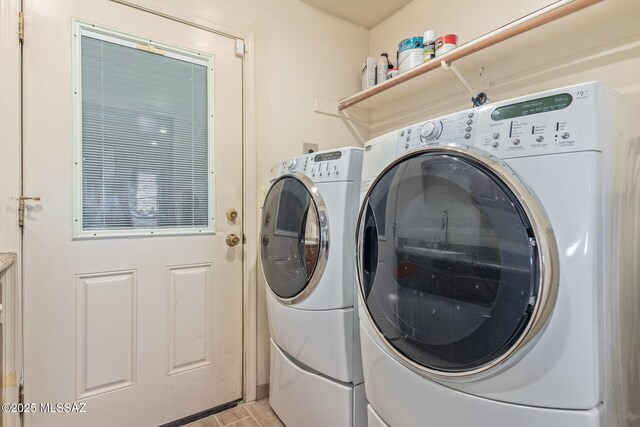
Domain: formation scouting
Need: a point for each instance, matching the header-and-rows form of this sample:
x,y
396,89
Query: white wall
x,y
608,51
301,53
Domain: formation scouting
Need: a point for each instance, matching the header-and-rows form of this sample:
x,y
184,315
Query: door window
x,y
290,237
144,139
449,267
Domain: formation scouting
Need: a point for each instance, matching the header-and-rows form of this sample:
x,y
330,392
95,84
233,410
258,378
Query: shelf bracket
x,y
476,98
450,67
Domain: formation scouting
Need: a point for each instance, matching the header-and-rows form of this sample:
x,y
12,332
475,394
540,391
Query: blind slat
x,y
144,139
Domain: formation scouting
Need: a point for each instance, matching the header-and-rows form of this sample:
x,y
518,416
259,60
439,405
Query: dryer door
x,y
457,262
295,237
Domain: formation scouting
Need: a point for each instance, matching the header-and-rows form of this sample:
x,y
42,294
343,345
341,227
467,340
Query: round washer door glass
x,y
290,237
448,262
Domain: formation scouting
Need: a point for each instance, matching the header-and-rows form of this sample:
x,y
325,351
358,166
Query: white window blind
x,y
145,138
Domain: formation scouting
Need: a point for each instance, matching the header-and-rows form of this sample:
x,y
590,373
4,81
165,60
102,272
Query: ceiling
x,y
366,13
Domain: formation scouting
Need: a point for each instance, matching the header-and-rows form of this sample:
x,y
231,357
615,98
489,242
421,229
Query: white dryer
x,y
307,253
498,274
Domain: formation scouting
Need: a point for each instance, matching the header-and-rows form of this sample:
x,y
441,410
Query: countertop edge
x,y
6,261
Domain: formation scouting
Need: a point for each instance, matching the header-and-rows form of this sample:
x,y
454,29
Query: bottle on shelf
x,y
389,63
382,68
368,73
429,45
446,43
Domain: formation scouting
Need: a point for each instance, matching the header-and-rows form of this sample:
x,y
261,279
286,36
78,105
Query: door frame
x,y
250,185
11,157
10,189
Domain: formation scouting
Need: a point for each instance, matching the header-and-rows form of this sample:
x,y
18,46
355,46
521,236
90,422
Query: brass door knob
x,y
232,214
232,240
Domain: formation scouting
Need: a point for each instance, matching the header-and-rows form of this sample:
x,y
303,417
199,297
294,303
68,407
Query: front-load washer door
x,y
457,262
294,237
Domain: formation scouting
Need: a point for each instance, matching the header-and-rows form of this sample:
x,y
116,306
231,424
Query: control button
x,y
408,138
320,173
540,138
468,129
565,135
469,122
470,115
402,133
337,173
516,142
496,135
430,131
406,146
467,136
495,144
408,130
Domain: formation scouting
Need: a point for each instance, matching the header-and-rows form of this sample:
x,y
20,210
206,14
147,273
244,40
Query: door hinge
x,y
21,395
240,48
21,400
21,27
244,239
21,201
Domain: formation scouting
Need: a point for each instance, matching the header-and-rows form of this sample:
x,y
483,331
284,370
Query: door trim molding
x,y
10,126
251,267
250,185
10,189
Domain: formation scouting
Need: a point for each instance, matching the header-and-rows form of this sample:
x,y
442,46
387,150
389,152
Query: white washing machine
x,y
498,274
307,253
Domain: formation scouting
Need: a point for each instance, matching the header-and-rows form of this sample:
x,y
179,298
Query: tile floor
x,y
255,414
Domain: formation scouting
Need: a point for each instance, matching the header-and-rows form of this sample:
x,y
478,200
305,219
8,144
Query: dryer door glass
x,y
448,264
290,237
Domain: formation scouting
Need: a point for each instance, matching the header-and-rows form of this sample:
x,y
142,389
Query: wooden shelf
x,y
412,80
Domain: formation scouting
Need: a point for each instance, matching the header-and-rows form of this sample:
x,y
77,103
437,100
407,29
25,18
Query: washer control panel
x,y
330,165
457,128
545,123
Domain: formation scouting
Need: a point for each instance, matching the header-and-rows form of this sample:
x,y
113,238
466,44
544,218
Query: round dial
x,y
430,131
291,164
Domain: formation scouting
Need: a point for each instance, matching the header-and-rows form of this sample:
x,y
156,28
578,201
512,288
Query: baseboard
x,y
206,413
262,391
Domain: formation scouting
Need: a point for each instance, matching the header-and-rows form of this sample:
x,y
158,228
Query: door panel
x,y
290,237
144,330
449,262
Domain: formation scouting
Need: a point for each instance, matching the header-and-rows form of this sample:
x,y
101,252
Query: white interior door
x,y
132,303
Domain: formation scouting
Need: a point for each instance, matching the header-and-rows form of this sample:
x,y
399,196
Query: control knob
x,y
430,131
291,164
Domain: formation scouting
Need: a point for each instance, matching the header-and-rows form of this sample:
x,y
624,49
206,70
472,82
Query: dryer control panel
x,y
550,122
342,164
457,128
